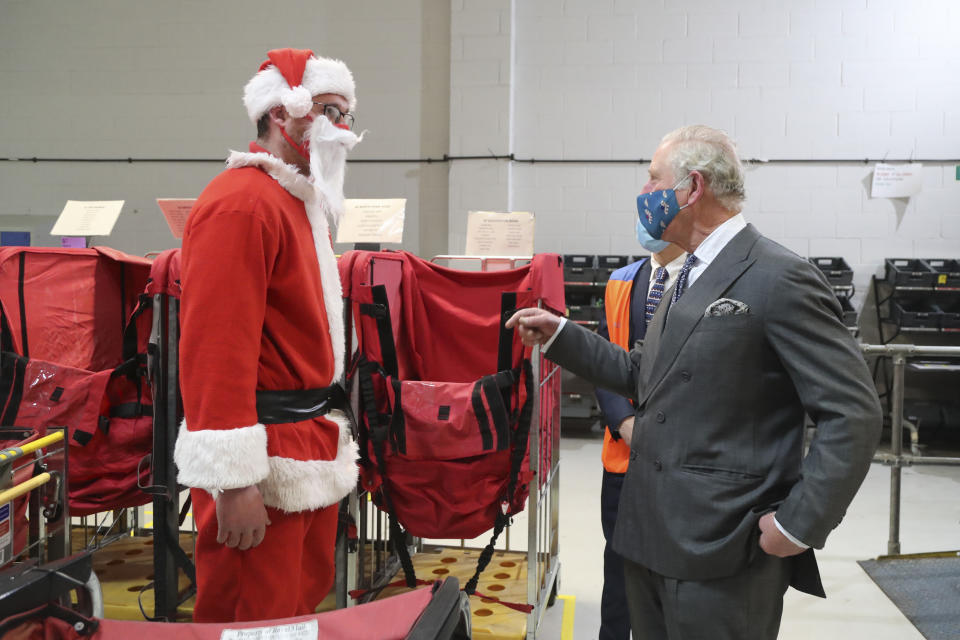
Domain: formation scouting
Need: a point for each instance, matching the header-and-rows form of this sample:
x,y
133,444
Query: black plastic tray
x,y
579,268
946,272
608,264
909,272
949,314
849,313
915,313
837,271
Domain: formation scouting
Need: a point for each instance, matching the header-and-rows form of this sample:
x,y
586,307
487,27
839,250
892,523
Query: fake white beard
x,y
329,145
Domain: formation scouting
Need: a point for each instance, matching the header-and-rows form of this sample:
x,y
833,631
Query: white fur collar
x,y
287,175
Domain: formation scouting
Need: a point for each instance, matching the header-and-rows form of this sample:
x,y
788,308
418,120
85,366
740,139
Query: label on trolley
x,y
306,630
6,534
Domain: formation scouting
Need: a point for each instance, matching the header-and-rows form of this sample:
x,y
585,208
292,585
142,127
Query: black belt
x,y
297,405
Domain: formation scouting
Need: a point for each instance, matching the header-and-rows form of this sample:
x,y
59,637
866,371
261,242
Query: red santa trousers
x,y
287,574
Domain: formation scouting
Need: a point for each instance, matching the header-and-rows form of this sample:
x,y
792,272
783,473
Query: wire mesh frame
x,y
543,565
375,565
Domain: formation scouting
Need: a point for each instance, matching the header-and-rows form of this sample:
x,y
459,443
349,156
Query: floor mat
x,y
926,588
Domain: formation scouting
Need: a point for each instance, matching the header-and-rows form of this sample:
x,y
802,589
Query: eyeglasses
x,y
336,116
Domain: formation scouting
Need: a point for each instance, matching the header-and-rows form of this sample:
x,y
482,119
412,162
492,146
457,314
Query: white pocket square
x,y
726,307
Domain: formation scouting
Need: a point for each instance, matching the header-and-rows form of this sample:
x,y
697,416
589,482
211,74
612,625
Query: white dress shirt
x,y
673,270
713,244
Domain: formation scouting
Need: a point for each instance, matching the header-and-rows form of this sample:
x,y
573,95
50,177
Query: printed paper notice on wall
x,y
175,210
499,234
87,218
373,221
896,181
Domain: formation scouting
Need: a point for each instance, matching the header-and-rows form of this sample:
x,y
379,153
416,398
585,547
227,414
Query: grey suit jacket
x,y
721,400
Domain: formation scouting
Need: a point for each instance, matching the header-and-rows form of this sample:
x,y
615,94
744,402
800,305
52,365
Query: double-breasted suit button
x,y
657,465
633,455
685,376
640,412
661,417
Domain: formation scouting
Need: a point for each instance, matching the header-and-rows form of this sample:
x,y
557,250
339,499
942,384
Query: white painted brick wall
x,y
575,79
808,79
118,79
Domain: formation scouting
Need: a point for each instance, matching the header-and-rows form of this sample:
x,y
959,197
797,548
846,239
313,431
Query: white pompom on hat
x,y
292,77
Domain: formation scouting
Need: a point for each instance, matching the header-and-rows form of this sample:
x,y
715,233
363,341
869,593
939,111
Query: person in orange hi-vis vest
x,y
631,296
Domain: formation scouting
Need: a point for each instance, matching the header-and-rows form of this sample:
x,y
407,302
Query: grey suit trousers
x,y
744,606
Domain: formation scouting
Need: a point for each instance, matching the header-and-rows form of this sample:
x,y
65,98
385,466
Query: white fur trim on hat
x,y
218,459
268,88
303,485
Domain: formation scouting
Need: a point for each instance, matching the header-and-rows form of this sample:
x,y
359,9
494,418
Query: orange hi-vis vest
x,y
616,453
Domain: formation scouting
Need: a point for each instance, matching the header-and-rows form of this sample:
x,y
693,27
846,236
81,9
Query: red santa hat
x,y
292,77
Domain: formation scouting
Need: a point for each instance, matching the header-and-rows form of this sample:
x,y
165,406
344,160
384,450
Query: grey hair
x,y
713,154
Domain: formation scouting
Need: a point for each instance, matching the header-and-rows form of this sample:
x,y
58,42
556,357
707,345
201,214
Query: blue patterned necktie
x,y
656,292
682,277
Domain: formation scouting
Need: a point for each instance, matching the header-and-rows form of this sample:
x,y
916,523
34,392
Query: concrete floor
x,y
855,608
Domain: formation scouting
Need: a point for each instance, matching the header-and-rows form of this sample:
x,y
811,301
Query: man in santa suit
x,y
263,446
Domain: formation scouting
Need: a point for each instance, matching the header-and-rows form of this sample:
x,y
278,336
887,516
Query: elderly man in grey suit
x,y
720,508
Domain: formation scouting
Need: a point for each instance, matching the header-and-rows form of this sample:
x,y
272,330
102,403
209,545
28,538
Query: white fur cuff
x,y
217,459
304,485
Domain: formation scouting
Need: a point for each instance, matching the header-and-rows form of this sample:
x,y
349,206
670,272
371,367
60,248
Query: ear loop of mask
x,y
304,147
674,189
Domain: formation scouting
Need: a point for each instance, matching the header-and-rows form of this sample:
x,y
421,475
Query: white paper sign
x,y
87,218
175,210
896,181
307,630
369,220
499,234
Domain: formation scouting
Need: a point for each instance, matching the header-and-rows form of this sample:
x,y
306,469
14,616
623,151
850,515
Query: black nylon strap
x,y
15,392
378,434
6,335
8,374
144,303
131,410
508,304
388,350
486,438
498,412
516,461
24,347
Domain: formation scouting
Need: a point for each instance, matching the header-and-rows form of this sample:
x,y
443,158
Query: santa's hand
x,y
535,326
241,518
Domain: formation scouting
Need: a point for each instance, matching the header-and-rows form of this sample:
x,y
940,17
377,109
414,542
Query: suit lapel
x,y
684,316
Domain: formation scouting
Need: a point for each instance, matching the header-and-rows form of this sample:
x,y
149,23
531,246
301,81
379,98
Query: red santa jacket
x,y
258,314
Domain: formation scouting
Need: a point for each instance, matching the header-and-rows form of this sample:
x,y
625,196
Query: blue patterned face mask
x,y
649,243
657,209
